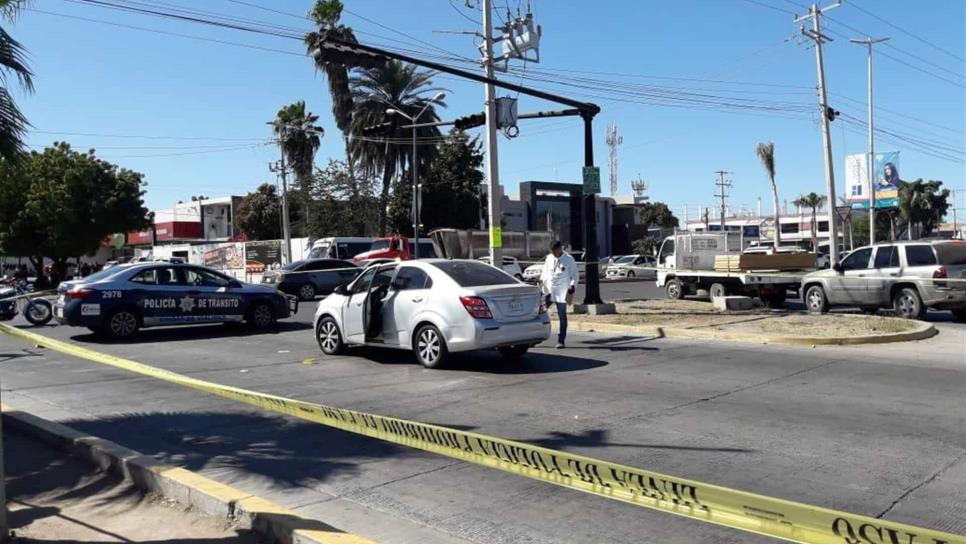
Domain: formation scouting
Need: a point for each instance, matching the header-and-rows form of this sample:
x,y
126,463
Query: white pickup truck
x,y
685,263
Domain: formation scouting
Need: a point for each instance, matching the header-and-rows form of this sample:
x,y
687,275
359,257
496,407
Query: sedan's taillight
x,y
940,274
77,294
476,307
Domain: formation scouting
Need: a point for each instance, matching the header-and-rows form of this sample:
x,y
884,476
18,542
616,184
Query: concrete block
x,y
732,303
594,309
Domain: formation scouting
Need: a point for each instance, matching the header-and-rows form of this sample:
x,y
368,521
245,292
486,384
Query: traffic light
x,y
376,130
831,114
470,121
347,55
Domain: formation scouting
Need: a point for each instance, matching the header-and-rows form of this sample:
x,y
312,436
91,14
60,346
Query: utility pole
x,y
722,193
870,171
827,114
279,167
492,165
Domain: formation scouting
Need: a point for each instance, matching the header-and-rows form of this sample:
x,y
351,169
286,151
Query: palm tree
x,y
13,123
299,138
326,14
813,201
402,87
766,153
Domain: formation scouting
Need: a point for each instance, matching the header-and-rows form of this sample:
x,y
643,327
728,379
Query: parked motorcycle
x,y
17,296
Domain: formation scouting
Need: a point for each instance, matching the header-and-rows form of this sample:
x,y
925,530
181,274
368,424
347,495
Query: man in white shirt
x,y
557,281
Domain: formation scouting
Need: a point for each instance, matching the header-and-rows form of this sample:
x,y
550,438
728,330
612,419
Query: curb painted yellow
x,y
267,518
920,332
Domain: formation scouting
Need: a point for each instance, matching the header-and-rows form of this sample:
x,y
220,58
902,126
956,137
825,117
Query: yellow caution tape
x,y
779,518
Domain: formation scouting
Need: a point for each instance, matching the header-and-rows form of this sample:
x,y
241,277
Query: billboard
x,y
263,255
886,180
226,257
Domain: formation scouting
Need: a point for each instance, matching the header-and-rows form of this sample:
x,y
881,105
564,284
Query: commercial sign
x,y
886,180
227,257
263,255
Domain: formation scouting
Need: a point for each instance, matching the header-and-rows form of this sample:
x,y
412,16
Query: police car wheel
x,y
307,291
261,316
329,337
121,324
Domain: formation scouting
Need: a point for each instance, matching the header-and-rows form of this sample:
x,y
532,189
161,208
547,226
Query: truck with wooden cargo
x,y
714,262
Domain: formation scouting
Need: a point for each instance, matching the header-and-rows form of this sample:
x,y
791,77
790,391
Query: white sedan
x,y
630,266
433,307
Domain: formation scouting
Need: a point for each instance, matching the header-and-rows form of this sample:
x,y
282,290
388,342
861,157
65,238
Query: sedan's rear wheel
x,y
430,347
908,304
307,291
329,337
121,323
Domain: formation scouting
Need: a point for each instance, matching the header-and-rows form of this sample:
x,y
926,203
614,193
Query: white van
x,y
339,247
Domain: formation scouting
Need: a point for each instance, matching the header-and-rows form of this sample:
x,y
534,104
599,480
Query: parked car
x,y
433,307
119,301
311,277
906,276
510,266
532,273
632,266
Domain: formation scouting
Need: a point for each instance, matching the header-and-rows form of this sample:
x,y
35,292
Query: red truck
x,y
396,247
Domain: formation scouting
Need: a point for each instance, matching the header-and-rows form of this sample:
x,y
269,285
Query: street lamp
x,y
417,192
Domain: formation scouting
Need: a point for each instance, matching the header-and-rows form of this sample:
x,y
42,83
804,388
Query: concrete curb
x,y
921,332
272,521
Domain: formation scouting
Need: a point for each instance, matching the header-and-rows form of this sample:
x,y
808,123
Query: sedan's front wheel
x,y
307,291
329,337
430,347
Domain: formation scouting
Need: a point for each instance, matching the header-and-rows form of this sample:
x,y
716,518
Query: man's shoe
x,y
560,345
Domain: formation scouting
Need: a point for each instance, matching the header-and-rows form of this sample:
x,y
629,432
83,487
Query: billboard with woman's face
x,y
886,180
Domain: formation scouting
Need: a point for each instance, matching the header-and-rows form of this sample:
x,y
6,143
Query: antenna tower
x,y
614,139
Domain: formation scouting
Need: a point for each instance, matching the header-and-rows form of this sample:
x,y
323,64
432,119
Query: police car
x,y
120,300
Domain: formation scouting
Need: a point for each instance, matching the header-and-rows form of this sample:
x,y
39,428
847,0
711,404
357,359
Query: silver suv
x,y
906,276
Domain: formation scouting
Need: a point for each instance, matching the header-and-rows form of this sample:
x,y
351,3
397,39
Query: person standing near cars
x,y
558,280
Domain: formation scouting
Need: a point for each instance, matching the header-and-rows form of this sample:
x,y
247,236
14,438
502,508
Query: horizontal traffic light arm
x,y
344,49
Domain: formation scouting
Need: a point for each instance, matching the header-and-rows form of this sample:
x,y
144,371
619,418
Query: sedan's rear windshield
x,y
106,273
953,253
473,274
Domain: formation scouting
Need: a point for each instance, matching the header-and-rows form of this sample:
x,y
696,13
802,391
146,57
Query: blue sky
x,y
199,108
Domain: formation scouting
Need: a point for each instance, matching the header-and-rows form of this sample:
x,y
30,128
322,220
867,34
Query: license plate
x,y
514,308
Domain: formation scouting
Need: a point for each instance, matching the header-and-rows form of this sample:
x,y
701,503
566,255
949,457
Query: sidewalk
x,y
54,498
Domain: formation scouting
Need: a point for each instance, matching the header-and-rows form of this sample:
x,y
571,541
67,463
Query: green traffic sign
x,y
591,179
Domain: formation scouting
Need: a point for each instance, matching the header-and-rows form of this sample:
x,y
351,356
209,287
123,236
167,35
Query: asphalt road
x,y
877,430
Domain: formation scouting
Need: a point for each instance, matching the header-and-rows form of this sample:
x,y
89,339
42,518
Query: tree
x,y
61,204
923,203
259,214
298,136
860,228
645,246
326,14
656,214
813,201
13,62
451,190
766,154
343,204
402,87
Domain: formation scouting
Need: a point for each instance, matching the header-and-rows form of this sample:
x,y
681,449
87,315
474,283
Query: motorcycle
x,y
17,295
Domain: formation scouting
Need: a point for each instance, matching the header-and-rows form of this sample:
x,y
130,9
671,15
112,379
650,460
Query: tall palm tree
x,y
813,201
326,14
299,138
402,87
13,62
766,153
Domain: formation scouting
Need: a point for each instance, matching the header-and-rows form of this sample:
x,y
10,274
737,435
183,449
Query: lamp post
x,y
417,192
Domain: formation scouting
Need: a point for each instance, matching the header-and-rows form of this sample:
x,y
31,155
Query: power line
x,y
769,6
146,137
463,15
906,32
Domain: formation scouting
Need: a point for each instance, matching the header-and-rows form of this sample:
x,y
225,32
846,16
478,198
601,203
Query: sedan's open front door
x,y
372,318
353,312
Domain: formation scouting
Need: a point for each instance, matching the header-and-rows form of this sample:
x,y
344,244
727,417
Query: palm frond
x,y
766,153
13,126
